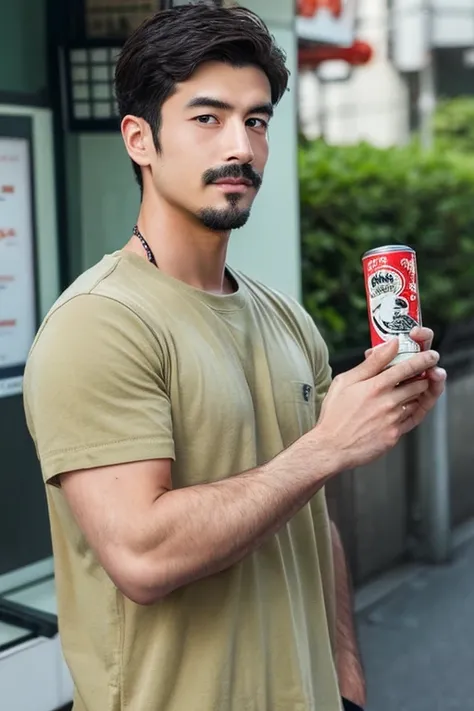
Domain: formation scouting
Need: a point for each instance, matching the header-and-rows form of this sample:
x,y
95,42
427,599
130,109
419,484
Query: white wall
x,y
453,23
268,247
372,105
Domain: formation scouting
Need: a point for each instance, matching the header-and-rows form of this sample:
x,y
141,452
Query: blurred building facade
x,y
381,102
347,104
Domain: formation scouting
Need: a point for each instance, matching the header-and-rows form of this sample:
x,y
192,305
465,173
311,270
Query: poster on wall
x,y
18,314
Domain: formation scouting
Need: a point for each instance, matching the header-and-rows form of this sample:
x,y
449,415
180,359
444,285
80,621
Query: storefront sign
x,y
117,18
17,273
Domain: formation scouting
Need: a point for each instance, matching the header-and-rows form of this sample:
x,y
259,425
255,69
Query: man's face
x,y
214,144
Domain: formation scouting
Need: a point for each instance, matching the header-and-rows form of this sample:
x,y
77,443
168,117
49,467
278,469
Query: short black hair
x,y
167,49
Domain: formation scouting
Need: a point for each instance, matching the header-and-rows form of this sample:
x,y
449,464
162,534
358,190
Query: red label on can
x,y
391,284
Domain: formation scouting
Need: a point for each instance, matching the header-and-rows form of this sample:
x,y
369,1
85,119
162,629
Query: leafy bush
x,y
359,197
454,124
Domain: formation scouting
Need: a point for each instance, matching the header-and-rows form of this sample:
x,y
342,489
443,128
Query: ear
x,y
138,140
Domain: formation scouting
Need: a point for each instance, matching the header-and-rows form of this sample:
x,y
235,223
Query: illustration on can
x,y
391,282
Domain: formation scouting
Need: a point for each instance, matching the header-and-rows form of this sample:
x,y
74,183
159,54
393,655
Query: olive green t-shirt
x,y
131,364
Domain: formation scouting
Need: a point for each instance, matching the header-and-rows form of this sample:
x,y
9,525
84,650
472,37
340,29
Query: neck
x,y
182,247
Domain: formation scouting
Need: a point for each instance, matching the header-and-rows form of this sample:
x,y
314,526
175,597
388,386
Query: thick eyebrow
x,y
210,103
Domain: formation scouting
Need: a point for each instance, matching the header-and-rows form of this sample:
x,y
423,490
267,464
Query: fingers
x,y
436,388
410,391
426,401
407,411
378,360
411,368
437,375
422,336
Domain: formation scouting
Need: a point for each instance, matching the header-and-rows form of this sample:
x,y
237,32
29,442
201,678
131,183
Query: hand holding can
x,y
393,299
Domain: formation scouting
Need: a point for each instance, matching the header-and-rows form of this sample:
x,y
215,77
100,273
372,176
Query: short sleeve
x,y
95,388
320,361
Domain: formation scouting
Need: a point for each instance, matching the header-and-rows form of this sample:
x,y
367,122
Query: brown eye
x,y
206,119
257,123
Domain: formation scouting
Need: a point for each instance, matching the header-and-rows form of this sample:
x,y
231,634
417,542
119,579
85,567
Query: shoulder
x,y
98,306
87,329
96,382
89,333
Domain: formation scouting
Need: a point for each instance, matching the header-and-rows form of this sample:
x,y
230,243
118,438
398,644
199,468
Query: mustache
x,y
233,170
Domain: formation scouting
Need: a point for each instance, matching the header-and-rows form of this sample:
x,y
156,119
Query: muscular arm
x,y
152,539
349,665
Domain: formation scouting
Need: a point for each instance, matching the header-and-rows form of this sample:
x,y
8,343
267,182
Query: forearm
x,y
349,665
198,531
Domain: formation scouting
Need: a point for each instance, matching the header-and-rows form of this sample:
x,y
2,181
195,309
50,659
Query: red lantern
x,y
308,8
311,57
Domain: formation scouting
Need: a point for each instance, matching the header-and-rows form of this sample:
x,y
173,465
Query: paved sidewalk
x,y
418,643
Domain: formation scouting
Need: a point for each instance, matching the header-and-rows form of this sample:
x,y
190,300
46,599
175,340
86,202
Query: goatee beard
x,y
225,219
231,217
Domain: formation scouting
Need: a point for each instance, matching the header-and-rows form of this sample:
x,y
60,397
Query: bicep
x,y
111,505
99,411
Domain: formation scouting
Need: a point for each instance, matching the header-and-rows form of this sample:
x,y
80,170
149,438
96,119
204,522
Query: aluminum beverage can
x,y
393,298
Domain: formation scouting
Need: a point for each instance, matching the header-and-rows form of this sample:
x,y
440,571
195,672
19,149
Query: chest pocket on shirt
x,y
296,407
302,392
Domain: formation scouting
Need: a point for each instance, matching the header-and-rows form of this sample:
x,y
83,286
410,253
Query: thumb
x,y
377,360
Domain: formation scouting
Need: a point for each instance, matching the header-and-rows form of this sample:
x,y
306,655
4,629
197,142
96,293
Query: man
x,y
175,406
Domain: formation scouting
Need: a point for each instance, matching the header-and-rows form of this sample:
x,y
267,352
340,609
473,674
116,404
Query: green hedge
x,y
454,124
359,197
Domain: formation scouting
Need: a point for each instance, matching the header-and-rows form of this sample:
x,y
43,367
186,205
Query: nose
x,y
238,146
